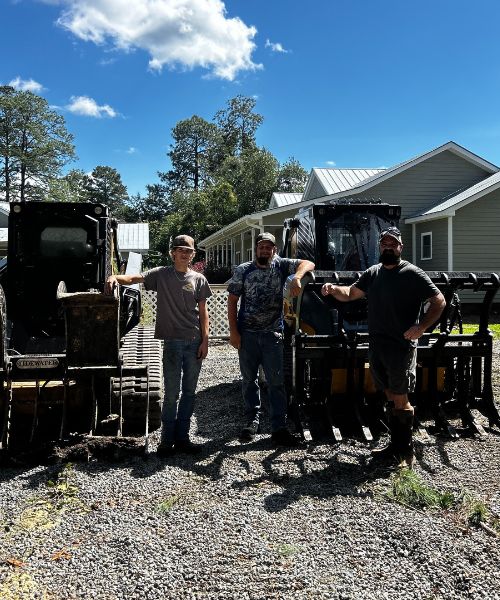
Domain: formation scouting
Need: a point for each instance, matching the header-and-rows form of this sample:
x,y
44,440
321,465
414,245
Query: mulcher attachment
x,y
86,382
332,389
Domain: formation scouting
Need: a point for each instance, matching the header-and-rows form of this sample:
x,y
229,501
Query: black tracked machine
x,y
330,390
72,359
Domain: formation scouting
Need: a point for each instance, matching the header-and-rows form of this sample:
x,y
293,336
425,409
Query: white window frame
x,y
422,236
249,255
237,257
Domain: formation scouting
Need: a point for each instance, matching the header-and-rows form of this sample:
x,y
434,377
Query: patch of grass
x,y
61,496
167,505
288,550
408,488
470,328
20,585
473,509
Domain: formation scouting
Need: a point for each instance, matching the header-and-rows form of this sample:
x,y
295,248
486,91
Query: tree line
x,y
218,172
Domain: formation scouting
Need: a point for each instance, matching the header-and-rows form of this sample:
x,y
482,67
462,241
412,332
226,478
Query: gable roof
x,y
360,188
448,207
407,164
332,181
284,199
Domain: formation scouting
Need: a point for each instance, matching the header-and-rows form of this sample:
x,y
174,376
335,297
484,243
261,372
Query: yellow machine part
x,y
51,395
339,380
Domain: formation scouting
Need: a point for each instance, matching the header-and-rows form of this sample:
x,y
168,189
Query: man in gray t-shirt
x,y
182,324
396,290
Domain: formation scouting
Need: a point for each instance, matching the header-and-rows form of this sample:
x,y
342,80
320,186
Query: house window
x,y
249,255
238,258
426,246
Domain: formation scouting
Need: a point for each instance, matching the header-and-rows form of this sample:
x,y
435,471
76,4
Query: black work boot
x,y
402,428
250,431
387,453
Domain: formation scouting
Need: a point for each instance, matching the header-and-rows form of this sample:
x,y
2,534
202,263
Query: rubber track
x,y
139,347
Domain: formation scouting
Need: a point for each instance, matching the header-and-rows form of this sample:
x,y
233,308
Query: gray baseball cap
x,y
265,237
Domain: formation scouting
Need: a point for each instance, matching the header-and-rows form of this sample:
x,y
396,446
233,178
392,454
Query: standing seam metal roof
x,y
133,236
284,198
340,180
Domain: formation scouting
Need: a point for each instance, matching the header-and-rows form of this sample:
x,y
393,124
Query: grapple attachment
x,y
331,390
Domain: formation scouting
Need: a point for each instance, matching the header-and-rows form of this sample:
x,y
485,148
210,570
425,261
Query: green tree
x,y
238,124
154,206
253,176
105,185
292,177
196,213
68,188
193,155
34,145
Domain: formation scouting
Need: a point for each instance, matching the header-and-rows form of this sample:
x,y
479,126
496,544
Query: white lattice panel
x,y
217,310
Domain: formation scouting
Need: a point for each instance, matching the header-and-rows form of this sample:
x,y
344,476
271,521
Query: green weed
x,y
408,488
474,509
167,505
288,550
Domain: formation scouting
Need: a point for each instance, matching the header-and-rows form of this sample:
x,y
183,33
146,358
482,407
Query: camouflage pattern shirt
x,y
261,293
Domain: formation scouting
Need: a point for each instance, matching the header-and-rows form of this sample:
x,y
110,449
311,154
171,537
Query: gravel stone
x,y
249,521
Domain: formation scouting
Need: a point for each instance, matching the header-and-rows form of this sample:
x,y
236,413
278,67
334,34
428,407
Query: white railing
x,y
217,310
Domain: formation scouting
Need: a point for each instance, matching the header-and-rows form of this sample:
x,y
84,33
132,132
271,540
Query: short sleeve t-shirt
x,y
395,298
261,293
178,295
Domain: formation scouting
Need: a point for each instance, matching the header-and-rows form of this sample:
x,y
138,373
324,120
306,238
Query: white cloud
x,y
88,107
276,47
26,85
131,150
175,33
331,163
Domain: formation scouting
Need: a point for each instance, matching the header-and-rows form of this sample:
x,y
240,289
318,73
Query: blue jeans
x,y
179,363
263,348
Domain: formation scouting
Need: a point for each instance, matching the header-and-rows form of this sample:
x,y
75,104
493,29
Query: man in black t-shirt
x,y
396,290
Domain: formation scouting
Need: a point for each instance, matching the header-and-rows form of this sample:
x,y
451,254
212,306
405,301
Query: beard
x,y
388,257
263,260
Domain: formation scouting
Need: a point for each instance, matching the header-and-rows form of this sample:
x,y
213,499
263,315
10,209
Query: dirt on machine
x,y
73,360
331,393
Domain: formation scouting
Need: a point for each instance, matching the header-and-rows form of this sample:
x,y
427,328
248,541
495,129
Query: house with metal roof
x,y
450,209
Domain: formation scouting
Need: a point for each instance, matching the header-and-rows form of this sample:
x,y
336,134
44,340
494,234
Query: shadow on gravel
x,y
313,470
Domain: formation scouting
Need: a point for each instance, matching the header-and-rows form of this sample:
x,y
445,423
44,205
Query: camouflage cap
x,y
392,232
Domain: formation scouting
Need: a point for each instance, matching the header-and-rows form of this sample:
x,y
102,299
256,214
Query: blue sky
x,y
346,83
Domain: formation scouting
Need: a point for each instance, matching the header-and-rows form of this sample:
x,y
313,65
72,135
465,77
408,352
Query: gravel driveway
x,y
247,521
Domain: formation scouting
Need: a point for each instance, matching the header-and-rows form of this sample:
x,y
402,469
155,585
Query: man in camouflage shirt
x,y
256,331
